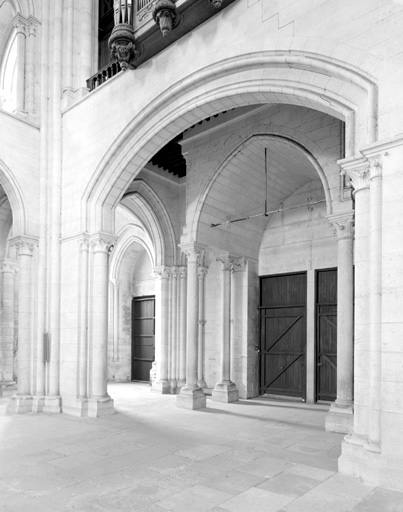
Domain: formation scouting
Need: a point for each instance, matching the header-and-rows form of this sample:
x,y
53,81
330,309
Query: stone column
x,y
86,64
22,401
174,328
340,415
99,403
182,326
161,275
201,272
7,270
225,390
83,320
191,395
357,169
20,26
375,305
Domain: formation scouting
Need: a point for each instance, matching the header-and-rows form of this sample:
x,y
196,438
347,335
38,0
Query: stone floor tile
x,y
256,500
311,472
203,451
234,482
289,484
320,502
196,499
381,500
266,466
341,485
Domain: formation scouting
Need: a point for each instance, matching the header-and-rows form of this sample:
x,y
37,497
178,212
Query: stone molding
x,y
8,266
343,224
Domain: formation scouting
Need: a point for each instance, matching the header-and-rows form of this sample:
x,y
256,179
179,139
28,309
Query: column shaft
x,y
174,328
182,327
83,320
161,384
200,359
375,308
7,322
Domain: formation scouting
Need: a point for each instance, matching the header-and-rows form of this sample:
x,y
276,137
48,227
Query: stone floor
x,y
251,456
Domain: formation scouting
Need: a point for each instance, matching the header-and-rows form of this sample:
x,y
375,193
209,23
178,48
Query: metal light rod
x,y
266,213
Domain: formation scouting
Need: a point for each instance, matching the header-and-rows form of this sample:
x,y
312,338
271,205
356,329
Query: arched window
x,y
8,77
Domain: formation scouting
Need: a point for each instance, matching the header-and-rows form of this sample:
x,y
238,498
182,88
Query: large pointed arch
x,y
343,91
15,196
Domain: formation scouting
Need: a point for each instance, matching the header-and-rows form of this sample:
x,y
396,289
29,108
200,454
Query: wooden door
x,y
283,334
143,337
326,334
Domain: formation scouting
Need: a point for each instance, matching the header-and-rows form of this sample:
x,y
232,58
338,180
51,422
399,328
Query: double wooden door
x,y
283,334
143,337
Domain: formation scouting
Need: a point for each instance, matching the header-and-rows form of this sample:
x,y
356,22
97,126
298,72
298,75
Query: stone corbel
x,y
165,16
216,3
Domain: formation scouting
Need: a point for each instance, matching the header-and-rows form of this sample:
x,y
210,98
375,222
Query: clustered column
x,y
191,395
225,390
340,416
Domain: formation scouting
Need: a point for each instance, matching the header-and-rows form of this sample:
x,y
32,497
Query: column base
x,y
161,386
174,387
340,418
19,404
53,404
181,384
98,407
7,388
225,392
191,398
77,408
38,403
201,383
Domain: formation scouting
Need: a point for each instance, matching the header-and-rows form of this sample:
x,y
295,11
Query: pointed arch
x,y
15,196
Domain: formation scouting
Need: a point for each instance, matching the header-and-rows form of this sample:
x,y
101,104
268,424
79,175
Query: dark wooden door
x,y
143,337
326,334
283,334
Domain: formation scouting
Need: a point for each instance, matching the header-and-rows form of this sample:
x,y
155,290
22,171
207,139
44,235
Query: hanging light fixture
x,y
217,3
164,15
121,42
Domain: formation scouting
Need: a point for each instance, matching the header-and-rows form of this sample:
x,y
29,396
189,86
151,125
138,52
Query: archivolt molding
x,y
15,196
129,235
345,93
151,210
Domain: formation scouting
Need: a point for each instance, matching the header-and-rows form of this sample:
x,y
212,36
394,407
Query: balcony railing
x,y
102,75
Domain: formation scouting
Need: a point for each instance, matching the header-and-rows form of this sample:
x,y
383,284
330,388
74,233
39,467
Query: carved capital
x,y
194,252
102,243
343,224
183,272
239,264
201,272
174,272
32,27
161,273
375,167
357,168
84,244
24,245
7,266
226,262
20,25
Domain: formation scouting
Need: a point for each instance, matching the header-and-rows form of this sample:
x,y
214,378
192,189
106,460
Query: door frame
x,y
139,299
258,347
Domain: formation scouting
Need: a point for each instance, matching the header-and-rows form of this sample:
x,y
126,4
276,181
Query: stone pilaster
x,y
340,415
161,275
225,390
20,26
191,395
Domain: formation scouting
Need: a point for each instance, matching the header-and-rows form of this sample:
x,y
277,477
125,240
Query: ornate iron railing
x,y
102,75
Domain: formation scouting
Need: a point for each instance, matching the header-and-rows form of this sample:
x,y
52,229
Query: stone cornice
x,y
377,148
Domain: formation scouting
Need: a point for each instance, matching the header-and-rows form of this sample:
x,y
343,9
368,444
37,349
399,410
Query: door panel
x,y
326,334
143,337
283,334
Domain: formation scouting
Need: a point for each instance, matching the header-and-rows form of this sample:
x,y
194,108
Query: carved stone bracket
x,y
343,224
122,46
217,3
165,16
